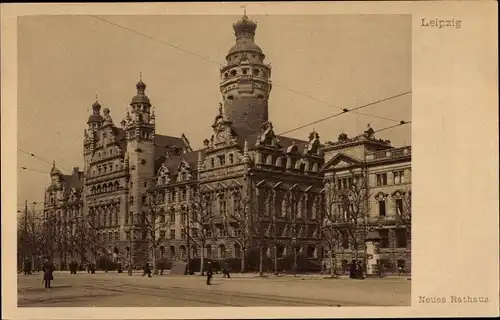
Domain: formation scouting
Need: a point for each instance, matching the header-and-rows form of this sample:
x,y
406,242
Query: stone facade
x,y
386,172
245,188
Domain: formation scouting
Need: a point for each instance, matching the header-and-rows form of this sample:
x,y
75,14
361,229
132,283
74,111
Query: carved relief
x,y
163,175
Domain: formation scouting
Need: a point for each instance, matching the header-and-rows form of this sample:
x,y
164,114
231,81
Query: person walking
x,y
48,270
209,273
359,270
225,271
147,270
352,269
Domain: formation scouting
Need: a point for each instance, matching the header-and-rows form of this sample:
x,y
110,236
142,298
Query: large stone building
x,y
245,188
384,196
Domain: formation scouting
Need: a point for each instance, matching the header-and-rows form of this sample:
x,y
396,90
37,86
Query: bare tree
x,y
153,223
30,236
354,202
405,215
201,222
255,224
331,231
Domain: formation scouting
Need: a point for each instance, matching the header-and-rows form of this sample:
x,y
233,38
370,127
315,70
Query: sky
x,y
338,60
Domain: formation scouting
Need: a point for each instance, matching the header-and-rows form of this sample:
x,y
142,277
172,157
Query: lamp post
x,y
294,244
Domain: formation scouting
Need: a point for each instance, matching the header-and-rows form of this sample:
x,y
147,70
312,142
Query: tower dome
x,y
140,97
244,26
96,112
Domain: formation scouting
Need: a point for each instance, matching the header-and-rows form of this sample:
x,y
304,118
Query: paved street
x,y
120,290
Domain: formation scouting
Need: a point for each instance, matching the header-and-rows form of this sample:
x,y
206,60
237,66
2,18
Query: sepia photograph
x,y
182,160
153,175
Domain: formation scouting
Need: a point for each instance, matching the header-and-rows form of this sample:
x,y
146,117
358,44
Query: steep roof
x,y
251,136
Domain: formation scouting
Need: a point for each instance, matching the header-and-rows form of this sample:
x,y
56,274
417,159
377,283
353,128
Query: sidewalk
x,y
250,275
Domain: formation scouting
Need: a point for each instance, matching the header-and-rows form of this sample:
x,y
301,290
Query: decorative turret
x,y
140,103
245,79
141,124
95,120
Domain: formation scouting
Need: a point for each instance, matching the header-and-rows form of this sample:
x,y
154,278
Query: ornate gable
x,y
340,161
267,137
184,171
163,176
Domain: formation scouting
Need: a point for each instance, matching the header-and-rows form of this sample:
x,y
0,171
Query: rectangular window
x,y
172,216
231,159
117,236
399,206
381,208
172,233
145,184
399,177
401,238
144,200
384,234
183,233
222,232
222,160
212,163
162,234
381,179
127,235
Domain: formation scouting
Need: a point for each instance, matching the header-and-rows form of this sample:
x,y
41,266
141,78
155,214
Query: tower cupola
x,y
245,79
95,118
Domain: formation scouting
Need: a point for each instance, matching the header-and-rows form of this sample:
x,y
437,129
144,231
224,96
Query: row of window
x,y
244,71
105,187
221,160
398,177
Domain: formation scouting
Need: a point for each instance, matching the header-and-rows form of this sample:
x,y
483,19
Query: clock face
x,y
220,135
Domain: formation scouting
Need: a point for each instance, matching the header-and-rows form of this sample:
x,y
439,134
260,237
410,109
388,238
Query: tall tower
x,y
245,79
139,128
89,143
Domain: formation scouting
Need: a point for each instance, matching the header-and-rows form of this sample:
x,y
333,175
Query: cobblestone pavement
x,y
121,290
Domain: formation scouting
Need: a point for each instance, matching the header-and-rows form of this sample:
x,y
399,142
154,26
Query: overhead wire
x,y
346,110
218,63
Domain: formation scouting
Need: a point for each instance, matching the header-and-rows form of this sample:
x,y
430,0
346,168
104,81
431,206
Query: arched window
x,y
172,252
222,251
208,251
182,251
237,251
311,252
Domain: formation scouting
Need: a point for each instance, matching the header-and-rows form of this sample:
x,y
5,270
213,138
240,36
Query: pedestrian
x,y
209,273
225,271
147,270
48,276
92,268
352,269
359,270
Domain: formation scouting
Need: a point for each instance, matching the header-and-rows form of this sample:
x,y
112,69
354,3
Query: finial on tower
x,y
140,75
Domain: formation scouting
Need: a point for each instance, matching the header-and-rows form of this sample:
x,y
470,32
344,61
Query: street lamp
x,y
294,244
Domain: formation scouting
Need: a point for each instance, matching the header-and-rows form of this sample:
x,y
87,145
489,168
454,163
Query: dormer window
x,y
231,159
233,73
256,72
245,71
222,160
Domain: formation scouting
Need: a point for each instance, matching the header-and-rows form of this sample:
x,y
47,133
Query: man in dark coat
x,y
48,276
209,273
359,270
352,269
147,270
225,271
